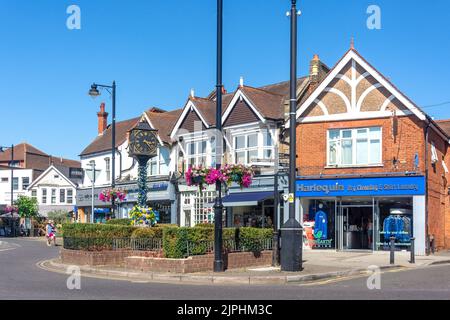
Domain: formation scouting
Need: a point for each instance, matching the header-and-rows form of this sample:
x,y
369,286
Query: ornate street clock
x,y
142,145
143,141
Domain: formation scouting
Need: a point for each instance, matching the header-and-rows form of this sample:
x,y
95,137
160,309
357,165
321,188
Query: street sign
x,y
291,198
90,174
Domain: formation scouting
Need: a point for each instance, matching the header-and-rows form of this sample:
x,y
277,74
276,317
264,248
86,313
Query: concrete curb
x,y
436,263
134,276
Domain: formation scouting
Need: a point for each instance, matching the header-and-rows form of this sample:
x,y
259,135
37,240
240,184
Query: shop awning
x,y
246,199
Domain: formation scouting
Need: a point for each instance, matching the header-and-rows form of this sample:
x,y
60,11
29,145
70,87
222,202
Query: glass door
x,y
339,225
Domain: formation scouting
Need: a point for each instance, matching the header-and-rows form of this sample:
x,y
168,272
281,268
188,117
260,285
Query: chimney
x,y
241,82
102,119
315,72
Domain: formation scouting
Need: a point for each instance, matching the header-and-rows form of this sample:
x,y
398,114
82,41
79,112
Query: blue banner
x,y
386,186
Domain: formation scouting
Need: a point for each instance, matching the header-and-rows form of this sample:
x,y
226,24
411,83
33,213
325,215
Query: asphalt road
x,y
20,278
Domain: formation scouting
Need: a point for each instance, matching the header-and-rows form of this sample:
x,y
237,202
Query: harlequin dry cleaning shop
x,y
363,213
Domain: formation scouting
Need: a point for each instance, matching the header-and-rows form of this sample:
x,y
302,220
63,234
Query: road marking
x,y
346,278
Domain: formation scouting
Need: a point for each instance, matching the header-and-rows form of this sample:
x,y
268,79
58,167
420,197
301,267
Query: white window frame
x,y
44,196
260,147
53,194
108,169
69,196
159,162
63,193
197,156
354,139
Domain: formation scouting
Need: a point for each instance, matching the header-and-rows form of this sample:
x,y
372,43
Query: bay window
x,y
159,165
354,147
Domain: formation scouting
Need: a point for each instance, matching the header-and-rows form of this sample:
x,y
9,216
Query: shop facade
x,y
363,213
256,206
161,198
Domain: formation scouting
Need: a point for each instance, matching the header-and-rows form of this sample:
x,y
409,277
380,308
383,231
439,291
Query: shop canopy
x,y
246,199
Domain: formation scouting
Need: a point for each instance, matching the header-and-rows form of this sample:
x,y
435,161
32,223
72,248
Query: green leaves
x,y
28,207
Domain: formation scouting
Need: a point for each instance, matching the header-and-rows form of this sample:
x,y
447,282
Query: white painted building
x,y
21,182
55,189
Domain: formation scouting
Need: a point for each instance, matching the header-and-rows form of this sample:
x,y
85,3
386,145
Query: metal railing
x,y
191,248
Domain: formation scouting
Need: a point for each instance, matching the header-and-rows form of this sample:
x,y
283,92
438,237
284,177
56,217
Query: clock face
x,y
143,142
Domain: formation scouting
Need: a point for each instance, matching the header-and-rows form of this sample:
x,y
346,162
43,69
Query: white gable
x,y
352,72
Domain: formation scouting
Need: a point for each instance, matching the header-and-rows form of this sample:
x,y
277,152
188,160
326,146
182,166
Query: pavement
x,y
23,279
317,265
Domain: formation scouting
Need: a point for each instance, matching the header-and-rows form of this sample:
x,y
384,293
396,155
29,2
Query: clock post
x,y
142,145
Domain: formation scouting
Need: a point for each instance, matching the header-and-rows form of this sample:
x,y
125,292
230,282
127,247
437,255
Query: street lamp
x,y
11,165
291,232
218,204
94,93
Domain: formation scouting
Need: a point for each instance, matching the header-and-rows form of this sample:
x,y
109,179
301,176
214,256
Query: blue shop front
x,y
362,214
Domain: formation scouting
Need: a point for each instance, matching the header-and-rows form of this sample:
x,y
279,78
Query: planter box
x,y
102,258
194,264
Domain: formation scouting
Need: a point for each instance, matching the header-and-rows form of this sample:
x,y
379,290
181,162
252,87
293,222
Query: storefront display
x,y
362,214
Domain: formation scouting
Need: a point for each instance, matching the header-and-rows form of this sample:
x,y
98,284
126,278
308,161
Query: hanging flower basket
x,y
240,174
143,216
11,209
108,195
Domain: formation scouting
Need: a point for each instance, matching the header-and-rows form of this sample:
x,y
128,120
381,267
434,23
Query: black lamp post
x,y
11,165
218,204
142,145
94,92
291,232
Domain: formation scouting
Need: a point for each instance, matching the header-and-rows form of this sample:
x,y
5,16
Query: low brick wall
x,y
203,263
102,258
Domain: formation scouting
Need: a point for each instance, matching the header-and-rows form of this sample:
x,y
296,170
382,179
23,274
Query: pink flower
x,y
246,181
213,176
188,176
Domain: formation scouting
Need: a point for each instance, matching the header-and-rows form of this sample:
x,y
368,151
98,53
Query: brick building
x,y
371,164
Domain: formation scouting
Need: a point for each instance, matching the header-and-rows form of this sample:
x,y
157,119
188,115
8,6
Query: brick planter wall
x,y
102,258
197,263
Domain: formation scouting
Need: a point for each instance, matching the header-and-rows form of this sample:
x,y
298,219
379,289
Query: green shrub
x,y
204,225
121,222
94,237
252,239
147,233
174,242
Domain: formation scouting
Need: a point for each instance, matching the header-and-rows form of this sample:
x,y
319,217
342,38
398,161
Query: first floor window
x,y
44,196
34,194
53,196
108,169
15,184
69,196
361,146
197,153
25,183
62,195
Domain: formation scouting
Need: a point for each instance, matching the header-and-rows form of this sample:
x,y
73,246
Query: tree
x,y
27,207
59,216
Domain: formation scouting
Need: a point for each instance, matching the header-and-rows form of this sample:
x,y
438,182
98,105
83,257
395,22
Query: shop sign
x,y
386,186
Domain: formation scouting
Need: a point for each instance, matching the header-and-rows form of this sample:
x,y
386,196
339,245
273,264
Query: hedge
x,y
122,222
94,237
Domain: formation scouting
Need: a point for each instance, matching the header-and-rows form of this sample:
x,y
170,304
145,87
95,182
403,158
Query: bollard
x,y
413,249
392,258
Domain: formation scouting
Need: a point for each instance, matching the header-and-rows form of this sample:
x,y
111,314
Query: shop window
x,y
395,220
349,147
319,223
203,209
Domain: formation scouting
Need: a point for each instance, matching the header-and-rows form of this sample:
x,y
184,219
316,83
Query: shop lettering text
x,y
355,188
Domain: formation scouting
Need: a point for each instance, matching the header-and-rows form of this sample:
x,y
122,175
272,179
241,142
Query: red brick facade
x,y
356,95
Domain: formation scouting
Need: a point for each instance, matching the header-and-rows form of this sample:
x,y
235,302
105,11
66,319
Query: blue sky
x,y
157,50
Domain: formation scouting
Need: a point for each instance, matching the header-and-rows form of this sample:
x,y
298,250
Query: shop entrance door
x,y
352,226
